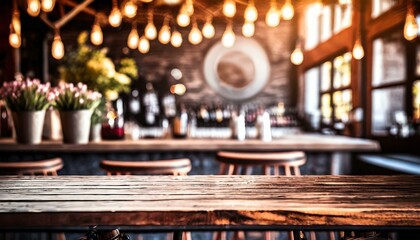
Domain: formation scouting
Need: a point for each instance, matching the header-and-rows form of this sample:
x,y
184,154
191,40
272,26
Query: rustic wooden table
x,y
210,202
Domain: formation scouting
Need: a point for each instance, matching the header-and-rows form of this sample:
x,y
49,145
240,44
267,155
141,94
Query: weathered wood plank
x,y
218,201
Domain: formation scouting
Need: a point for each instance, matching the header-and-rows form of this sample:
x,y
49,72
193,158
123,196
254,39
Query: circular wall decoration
x,y
239,72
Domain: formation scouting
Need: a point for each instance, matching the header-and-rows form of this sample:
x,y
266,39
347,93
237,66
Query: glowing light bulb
x,y
133,39
251,13
150,31
178,89
344,2
248,29
47,5
272,18
16,22
188,8
176,39
229,8
96,36
208,30
115,17
297,56
14,38
57,49
165,34
287,11
228,38
358,52
144,45
34,7
183,19
130,9
410,27
195,36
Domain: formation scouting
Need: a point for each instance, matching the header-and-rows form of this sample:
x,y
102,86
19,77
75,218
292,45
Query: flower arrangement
x,y
26,95
92,67
70,97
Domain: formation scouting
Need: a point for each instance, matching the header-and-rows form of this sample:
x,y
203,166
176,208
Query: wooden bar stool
x,y
176,167
47,167
276,163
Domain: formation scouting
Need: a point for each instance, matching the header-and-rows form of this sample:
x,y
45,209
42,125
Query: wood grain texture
x,y
303,142
178,201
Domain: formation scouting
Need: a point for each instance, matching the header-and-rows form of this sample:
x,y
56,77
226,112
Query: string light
x,y
228,38
133,37
47,5
272,18
150,30
144,45
57,49
115,16
176,39
14,38
297,55
358,52
248,29
410,27
34,7
183,19
165,32
229,8
195,36
208,29
287,11
16,20
96,35
130,9
251,13
188,7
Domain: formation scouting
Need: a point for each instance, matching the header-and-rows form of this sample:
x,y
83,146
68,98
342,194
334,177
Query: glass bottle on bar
x,y
151,106
180,123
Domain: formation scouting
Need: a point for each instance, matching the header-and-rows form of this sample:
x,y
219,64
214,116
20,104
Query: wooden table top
x,y
314,202
303,142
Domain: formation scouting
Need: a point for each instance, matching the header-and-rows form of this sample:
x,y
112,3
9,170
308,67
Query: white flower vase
x,y
28,126
76,126
95,132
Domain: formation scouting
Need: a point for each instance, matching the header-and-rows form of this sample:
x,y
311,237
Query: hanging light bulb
x,y
115,16
183,19
410,27
150,30
47,5
165,34
272,18
188,7
176,39
358,52
228,38
14,37
287,11
96,36
195,36
130,9
229,8
144,45
16,21
297,55
251,13
248,29
133,37
57,49
34,7
208,29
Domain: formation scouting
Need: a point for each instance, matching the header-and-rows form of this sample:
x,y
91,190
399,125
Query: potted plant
x,y
76,104
27,99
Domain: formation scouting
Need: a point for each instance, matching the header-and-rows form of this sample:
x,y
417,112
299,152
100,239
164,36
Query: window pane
x,y
326,22
416,101
326,76
312,25
342,105
326,110
342,16
388,60
342,70
381,6
385,102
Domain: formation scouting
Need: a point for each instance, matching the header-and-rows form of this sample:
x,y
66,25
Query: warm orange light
x,y
57,49
34,7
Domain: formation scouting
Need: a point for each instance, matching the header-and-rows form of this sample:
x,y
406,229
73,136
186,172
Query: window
x,y
342,16
381,6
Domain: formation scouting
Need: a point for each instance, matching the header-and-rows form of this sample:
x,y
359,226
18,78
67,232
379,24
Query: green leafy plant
x,y
26,95
69,97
